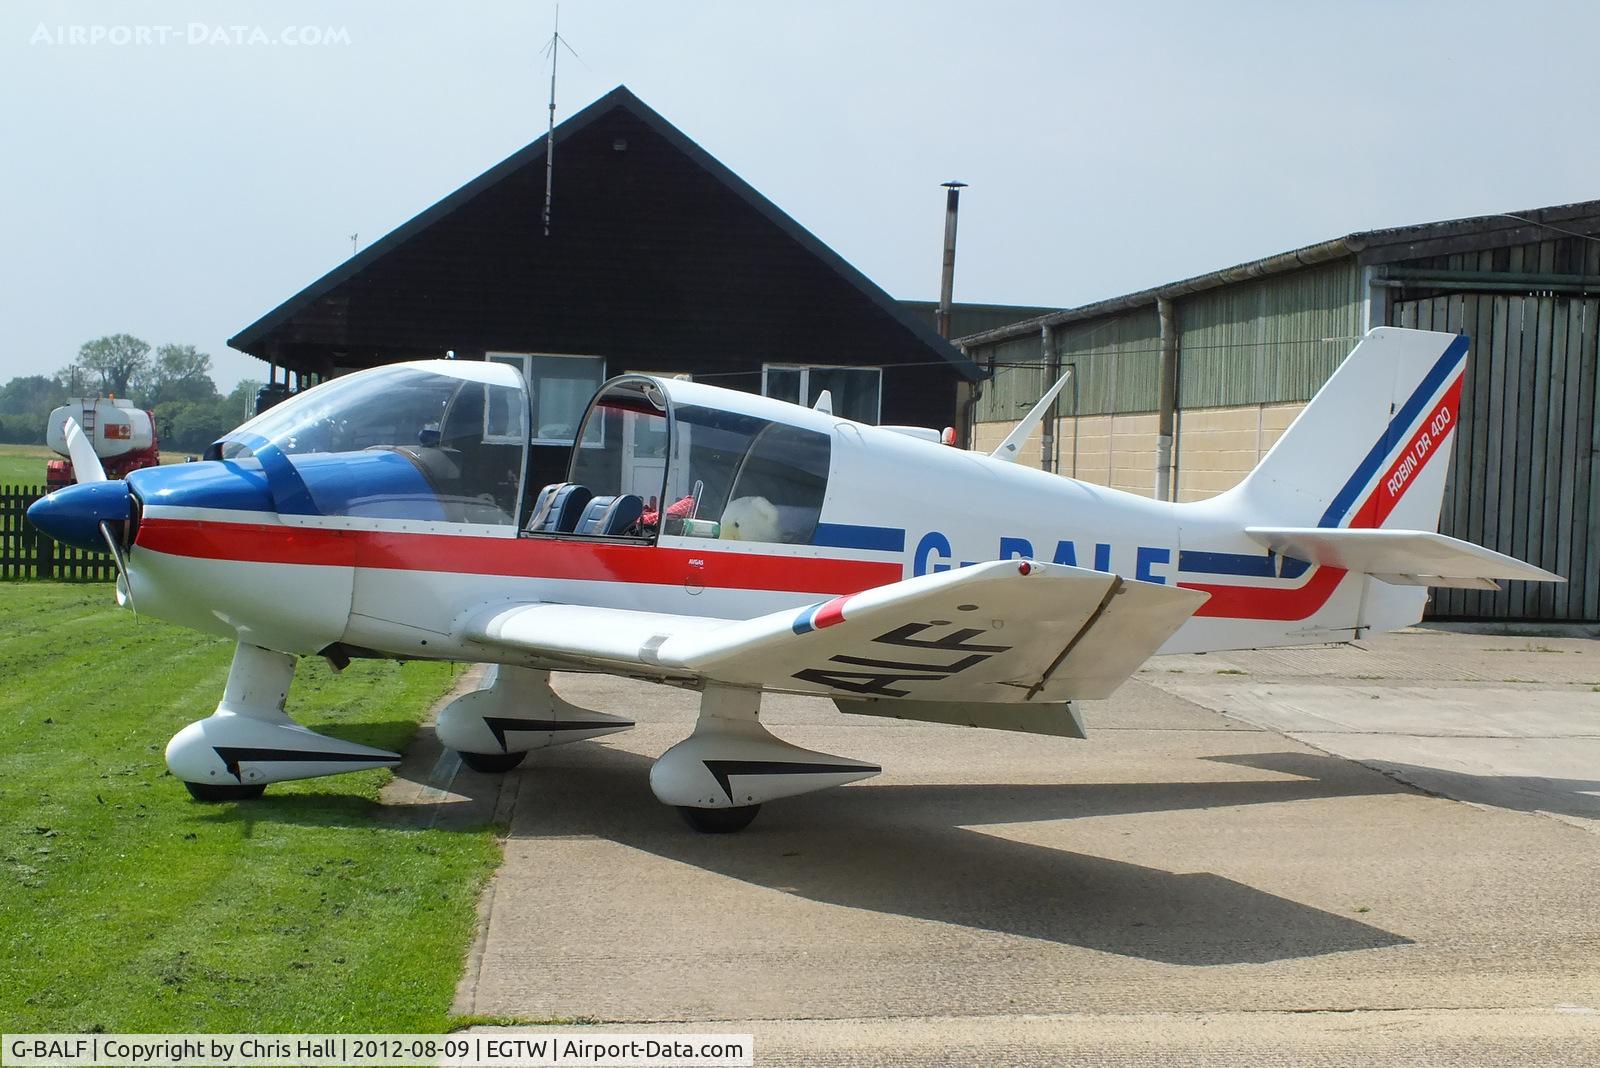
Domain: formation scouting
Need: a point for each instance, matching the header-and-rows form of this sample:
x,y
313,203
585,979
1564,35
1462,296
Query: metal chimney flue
x,y
947,280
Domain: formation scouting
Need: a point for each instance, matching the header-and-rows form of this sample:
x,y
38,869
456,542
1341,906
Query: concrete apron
x,y
1179,862
1505,721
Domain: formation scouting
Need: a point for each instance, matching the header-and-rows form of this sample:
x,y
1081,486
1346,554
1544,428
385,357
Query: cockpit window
x,y
644,466
787,468
440,441
757,480
619,468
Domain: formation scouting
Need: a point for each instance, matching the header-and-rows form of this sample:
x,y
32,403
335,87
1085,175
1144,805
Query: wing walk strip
x,y
1088,625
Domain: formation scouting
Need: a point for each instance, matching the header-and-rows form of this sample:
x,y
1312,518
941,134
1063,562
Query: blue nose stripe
x,y
72,516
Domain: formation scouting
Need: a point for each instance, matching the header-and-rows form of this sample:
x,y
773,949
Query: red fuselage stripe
x,y
638,563
546,558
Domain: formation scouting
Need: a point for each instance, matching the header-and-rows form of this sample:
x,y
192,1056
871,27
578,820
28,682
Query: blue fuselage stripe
x,y
851,536
1207,563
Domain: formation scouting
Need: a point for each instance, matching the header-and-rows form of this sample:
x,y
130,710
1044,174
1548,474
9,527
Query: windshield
x,y
442,440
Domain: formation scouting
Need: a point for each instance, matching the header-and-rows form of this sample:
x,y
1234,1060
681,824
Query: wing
x,y
1005,632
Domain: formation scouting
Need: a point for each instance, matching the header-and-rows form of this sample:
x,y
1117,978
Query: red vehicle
x,y
124,437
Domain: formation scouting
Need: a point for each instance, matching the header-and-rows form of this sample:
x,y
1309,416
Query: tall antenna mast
x,y
554,48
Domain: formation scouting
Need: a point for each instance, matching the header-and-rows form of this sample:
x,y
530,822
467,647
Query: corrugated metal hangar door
x,y
1523,479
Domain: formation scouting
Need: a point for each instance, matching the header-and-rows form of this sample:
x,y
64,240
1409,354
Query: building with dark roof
x,y
656,258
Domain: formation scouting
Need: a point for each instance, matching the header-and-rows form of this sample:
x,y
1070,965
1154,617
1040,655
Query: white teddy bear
x,y
750,519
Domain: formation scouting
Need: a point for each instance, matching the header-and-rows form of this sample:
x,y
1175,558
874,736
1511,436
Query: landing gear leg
x,y
719,776
250,741
494,728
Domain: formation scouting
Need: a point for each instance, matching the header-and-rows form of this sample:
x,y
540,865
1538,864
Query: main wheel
x,y
491,762
211,792
719,820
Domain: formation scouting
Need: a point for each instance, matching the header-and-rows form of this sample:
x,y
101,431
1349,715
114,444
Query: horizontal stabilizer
x,y
1401,557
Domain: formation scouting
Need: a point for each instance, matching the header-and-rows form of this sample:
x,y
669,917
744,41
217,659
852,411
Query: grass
x,y
23,465
125,906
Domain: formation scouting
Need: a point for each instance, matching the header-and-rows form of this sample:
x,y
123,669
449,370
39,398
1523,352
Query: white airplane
x,y
735,545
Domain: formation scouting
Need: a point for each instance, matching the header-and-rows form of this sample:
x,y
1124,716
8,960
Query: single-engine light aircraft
x,y
734,544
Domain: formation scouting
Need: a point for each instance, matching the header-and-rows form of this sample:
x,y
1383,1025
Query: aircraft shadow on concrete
x,y
1518,793
1515,793
907,850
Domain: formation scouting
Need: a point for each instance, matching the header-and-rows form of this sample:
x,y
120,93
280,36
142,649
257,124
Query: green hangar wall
x,y
1243,349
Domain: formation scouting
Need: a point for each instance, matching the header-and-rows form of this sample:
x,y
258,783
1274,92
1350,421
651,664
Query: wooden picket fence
x,y
27,554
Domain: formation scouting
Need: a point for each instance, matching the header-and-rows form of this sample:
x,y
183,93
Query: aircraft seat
x,y
558,508
611,515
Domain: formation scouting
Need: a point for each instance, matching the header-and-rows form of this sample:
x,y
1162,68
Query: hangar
x,y
656,258
1180,388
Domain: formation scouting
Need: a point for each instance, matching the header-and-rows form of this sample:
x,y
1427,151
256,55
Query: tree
x,y
74,379
194,426
117,359
241,403
178,372
31,395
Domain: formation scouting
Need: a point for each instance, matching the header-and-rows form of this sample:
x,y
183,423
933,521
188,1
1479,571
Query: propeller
x,y
124,582
86,467
85,464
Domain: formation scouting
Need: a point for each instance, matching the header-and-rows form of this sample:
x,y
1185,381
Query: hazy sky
x,y
189,165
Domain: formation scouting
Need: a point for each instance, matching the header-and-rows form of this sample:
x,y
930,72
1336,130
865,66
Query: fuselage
x,y
376,512
213,553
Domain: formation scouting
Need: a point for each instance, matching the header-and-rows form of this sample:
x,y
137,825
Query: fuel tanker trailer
x,y
123,436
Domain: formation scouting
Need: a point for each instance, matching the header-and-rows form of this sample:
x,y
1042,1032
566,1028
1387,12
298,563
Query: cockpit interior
x,y
448,441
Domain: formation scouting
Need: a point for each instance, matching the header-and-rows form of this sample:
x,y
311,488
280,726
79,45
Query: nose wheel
x,y
719,820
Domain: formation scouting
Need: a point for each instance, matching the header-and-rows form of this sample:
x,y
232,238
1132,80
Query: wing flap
x,y
1136,621
1403,557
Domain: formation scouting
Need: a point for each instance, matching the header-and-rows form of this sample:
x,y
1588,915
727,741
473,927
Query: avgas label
x,y
1147,563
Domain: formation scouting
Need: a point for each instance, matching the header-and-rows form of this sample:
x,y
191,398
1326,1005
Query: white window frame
x,y
524,362
805,370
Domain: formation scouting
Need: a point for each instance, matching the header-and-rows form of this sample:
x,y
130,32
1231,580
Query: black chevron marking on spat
x,y
723,770
231,756
499,725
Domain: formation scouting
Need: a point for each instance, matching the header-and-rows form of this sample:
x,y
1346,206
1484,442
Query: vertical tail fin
x,y
1347,502
1366,452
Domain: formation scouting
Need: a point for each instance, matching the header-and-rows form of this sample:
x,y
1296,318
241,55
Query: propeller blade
x,y
124,582
85,464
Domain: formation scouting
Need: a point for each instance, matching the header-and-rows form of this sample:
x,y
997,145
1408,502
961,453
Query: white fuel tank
x,y
115,427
